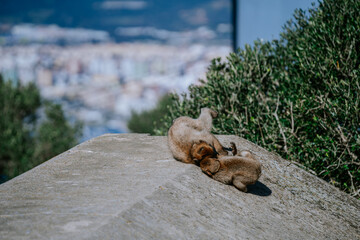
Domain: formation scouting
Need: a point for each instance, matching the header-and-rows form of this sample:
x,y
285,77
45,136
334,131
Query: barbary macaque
x,y
240,170
186,131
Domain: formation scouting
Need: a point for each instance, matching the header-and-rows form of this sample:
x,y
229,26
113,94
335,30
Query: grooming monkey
x,y
201,150
239,170
186,131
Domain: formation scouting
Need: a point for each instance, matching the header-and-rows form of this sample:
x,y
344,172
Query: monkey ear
x,y
215,166
210,166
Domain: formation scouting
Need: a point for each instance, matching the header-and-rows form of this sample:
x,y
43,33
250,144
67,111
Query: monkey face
x,y
203,149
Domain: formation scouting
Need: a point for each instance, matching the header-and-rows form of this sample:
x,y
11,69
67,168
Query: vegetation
x,y
147,121
298,96
25,141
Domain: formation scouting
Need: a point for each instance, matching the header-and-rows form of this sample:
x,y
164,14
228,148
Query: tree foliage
x,y
25,139
298,96
147,121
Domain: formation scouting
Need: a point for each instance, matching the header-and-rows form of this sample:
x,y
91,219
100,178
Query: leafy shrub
x,y
298,96
24,142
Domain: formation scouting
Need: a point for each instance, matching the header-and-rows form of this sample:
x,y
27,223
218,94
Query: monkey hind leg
x,y
239,185
247,154
240,181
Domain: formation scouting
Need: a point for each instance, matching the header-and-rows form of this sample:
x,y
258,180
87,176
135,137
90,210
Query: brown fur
x,y
186,131
201,150
240,170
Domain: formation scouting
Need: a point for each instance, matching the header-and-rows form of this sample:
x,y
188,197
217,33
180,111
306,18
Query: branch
x,y
278,121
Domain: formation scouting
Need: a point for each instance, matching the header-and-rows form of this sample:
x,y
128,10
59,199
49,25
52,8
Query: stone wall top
x,y
128,186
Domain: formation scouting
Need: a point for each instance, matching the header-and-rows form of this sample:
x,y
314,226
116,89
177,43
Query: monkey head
x,y
201,150
206,155
210,165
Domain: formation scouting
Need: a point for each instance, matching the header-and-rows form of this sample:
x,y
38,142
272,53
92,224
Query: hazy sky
x,y
264,18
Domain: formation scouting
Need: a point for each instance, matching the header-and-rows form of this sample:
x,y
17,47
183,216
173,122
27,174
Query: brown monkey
x,y
186,131
240,170
202,150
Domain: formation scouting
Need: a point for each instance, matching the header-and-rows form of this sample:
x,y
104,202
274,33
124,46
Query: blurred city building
x,y
104,59
101,84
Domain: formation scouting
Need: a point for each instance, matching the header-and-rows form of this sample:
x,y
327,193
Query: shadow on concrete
x,y
259,189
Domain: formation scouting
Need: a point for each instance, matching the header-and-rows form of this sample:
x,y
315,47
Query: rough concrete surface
x,y
128,186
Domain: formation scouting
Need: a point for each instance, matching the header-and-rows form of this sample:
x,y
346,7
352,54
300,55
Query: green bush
x,y
298,96
147,121
25,141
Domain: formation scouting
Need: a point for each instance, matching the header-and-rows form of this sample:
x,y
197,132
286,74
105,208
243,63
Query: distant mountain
x,y
169,15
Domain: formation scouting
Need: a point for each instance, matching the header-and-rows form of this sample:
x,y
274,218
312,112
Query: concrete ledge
x,y
127,186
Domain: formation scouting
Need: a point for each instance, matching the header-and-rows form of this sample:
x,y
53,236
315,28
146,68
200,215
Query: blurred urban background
x,y
101,60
